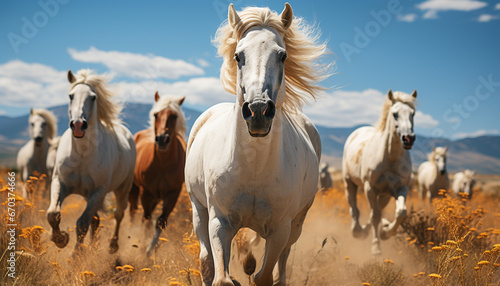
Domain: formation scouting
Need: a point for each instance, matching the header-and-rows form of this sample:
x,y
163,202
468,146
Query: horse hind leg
x,y
121,195
169,202
58,194
351,191
133,199
94,228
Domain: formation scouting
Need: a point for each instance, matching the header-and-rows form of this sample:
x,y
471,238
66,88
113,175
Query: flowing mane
x,y
49,118
398,96
107,111
172,102
437,151
303,70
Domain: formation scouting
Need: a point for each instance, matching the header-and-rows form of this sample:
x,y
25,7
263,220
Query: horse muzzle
x,y
162,141
408,141
78,127
259,117
38,141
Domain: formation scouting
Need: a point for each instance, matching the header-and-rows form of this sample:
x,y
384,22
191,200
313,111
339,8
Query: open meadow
x,y
455,243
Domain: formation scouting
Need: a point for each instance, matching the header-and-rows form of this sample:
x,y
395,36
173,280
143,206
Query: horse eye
x,y
395,116
155,115
71,96
236,57
93,98
283,56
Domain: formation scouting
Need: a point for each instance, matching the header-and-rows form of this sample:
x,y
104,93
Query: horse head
x,y
260,55
165,123
403,113
37,127
439,158
81,106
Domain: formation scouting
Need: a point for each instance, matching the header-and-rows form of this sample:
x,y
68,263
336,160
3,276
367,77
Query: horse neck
x,y
257,154
392,147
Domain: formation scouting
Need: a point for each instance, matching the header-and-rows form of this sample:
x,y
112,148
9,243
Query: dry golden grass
x,y
447,244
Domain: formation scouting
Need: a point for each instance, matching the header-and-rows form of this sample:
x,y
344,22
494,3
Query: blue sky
x,y
446,49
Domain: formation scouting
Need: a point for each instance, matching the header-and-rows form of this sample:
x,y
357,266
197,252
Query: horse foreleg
x,y
58,194
375,215
276,243
350,192
121,196
200,225
94,203
296,230
221,234
169,201
390,230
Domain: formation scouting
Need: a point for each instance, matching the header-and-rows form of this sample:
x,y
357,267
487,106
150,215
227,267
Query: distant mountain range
x,y
480,153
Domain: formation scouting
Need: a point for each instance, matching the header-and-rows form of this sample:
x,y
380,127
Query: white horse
x,y
432,174
255,163
463,182
377,160
96,155
32,157
325,179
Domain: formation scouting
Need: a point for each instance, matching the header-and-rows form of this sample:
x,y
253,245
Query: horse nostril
x,y
246,111
270,110
84,125
72,125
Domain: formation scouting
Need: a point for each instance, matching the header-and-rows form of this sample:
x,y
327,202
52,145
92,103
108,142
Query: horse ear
x,y
390,96
414,94
157,96
71,77
182,100
232,16
445,149
31,111
287,16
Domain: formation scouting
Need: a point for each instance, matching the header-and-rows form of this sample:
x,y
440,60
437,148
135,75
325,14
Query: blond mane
x,y
437,151
398,96
303,70
171,102
108,112
49,118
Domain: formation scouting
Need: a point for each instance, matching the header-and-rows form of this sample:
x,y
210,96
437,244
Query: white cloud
x,y
32,85
497,6
425,121
3,112
455,5
477,133
349,108
483,18
201,91
203,63
431,7
431,14
407,17
137,65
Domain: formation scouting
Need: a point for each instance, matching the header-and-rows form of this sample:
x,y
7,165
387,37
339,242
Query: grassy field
x,y
452,242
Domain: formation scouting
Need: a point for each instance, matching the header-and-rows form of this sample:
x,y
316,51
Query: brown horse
x,y
161,156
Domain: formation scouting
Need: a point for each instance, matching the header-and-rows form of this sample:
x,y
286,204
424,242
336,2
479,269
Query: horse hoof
x,y
360,232
225,282
61,240
113,246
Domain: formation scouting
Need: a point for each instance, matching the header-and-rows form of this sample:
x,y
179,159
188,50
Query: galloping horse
x,y
377,160
32,157
161,156
96,155
432,174
255,163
